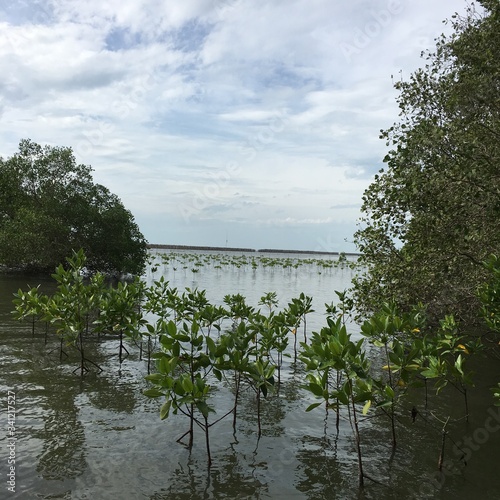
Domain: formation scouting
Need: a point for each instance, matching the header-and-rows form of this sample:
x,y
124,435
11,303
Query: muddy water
x,y
100,438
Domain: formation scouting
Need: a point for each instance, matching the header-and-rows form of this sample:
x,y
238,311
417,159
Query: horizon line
x,y
239,249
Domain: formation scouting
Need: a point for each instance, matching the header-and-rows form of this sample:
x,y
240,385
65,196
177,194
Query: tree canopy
x,y
432,215
50,206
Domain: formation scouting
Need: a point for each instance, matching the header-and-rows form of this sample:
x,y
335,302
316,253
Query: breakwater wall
x,y
236,249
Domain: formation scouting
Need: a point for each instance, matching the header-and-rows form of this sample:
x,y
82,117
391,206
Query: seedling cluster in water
x,y
194,262
192,346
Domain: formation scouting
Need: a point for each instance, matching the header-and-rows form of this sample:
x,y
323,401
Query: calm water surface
x,y
100,438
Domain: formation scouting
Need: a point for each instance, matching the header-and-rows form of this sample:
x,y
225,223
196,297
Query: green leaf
x,y
342,397
165,409
440,384
430,373
153,393
171,328
187,384
204,408
389,392
217,374
211,346
366,407
316,389
263,389
312,406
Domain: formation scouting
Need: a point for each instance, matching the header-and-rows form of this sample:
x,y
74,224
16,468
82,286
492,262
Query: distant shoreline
x,y
235,249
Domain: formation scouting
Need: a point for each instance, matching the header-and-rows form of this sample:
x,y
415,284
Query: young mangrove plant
x,y
157,303
296,313
342,311
74,304
182,378
446,355
239,310
120,313
212,317
394,333
489,295
304,305
29,305
231,358
260,376
332,350
271,337
186,361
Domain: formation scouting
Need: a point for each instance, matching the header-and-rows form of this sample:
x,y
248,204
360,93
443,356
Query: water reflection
x,y
114,394
232,477
101,438
321,474
63,451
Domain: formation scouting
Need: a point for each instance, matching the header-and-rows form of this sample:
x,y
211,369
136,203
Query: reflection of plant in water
x,y
321,471
116,395
63,451
232,478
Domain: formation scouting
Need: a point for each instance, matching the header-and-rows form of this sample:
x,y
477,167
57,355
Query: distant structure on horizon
x,y
236,249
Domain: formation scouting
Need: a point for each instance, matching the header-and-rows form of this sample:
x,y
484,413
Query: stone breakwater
x,y
236,249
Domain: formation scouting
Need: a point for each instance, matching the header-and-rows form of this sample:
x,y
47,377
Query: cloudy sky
x,y
248,122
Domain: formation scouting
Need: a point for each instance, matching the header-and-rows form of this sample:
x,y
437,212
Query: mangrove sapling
x,y
212,317
263,334
344,308
28,304
259,375
296,313
191,303
391,331
270,300
34,304
157,298
293,320
280,340
305,307
174,303
49,304
263,326
121,313
183,368
445,360
73,302
333,350
340,313
158,302
238,309
231,355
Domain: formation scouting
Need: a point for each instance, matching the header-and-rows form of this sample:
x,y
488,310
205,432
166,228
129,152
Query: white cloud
x,y
249,114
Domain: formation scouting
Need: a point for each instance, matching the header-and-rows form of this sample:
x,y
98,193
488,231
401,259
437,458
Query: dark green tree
x,y
50,206
433,214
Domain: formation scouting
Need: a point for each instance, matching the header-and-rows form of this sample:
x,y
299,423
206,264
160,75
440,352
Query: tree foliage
x,y
432,215
49,206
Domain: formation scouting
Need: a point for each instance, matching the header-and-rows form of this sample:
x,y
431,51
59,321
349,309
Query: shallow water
x,y
100,438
